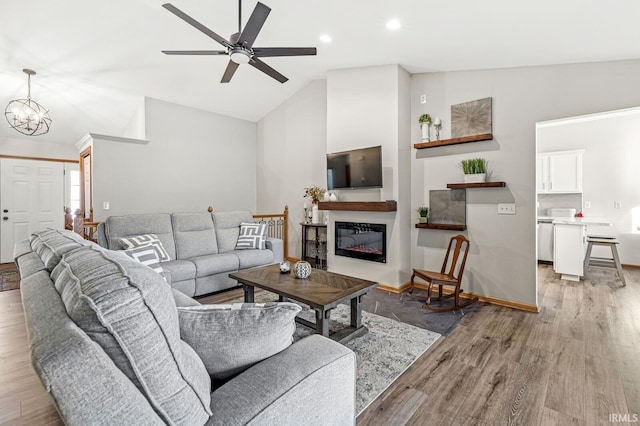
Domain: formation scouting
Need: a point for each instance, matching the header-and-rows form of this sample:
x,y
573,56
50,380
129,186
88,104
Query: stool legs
x,y
614,252
616,259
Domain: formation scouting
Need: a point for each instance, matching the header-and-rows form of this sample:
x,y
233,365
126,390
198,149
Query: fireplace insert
x,y
367,241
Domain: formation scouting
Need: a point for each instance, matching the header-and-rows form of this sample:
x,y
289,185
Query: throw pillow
x,y
147,255
252,236
230,338
144,240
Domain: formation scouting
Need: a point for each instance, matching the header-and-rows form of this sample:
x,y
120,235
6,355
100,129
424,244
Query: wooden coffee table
x,y
322,291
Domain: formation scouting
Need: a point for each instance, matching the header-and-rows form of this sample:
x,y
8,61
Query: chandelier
x,y
26,115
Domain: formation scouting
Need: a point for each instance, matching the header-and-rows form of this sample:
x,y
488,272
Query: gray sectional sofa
x,y
114,344
201,246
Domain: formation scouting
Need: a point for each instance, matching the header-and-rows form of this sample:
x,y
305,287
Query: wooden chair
x,y
452,277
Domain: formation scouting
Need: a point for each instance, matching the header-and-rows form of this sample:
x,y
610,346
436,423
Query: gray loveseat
x,y
109,336
201,246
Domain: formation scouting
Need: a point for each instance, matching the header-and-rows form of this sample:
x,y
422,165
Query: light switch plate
x,y
105,205
506,208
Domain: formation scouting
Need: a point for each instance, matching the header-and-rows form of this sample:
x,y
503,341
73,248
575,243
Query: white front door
x,y
31,199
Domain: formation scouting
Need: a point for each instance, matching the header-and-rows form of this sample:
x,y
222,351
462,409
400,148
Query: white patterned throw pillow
x,y
147,255
145,240
252,236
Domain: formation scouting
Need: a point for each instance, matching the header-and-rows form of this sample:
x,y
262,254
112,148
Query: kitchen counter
x,y
595,221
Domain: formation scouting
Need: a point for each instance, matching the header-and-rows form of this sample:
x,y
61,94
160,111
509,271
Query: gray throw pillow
x,y
252,236
230,338
144,240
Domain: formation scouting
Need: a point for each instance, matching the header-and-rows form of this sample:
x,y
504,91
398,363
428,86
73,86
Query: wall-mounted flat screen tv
x,y
358,168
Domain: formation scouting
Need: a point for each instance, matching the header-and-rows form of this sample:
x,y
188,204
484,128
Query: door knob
x,y
5,218
5,211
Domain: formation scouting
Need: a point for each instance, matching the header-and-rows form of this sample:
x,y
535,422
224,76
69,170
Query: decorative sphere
x,y
302,269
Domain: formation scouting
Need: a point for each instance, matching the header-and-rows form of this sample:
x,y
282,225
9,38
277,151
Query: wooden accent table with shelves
x,y
314,244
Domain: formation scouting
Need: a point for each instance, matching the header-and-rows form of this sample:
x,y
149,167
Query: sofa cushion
x,y
252,236
145,240
227,226
180,270
194,234
230,338
215,264
130,312
182,300
138,224
251,258
50,244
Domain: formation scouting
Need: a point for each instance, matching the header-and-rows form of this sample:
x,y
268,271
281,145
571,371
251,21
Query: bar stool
x,y
613,262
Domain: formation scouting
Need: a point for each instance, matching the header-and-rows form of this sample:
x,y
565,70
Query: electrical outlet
x,y
423,99
506,208
587,204
617,205
105,205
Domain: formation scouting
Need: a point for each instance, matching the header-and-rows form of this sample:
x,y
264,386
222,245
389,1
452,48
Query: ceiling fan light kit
x,y
26,115
239,47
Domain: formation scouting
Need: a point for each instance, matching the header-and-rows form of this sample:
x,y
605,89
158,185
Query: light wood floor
x,y
576,362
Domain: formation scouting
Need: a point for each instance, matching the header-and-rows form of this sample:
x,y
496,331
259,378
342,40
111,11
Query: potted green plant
x,y
424,214
474,169
425,127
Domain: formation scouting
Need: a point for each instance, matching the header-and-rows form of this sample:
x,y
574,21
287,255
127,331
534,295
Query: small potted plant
x,y
424,213
425,127
474,169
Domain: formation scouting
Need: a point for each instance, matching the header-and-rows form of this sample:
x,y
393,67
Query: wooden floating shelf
x,y
476,185
454,141
360,206
445,226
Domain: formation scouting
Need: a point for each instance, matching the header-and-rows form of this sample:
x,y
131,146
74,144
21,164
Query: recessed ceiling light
x,y
394,24
325,38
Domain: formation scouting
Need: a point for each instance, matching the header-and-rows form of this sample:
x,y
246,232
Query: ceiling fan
x,y
239,47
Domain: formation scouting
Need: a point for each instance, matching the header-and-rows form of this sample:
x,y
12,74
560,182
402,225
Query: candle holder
x,y
306,215
438,127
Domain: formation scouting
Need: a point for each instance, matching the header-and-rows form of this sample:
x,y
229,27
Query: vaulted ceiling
x,y
96,60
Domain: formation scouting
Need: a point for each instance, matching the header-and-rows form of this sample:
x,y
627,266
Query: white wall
x,y
32,147
610,163
291,152
502,260
193,159
368,107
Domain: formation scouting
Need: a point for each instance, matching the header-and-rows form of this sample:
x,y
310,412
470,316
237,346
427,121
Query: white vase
x,y
315,214
475,178
424,128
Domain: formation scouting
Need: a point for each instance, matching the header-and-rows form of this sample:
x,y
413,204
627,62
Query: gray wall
x,y
502,260
32,147
193,159
291,155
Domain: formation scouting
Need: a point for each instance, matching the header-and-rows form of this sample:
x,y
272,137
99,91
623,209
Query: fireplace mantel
x,y
360,206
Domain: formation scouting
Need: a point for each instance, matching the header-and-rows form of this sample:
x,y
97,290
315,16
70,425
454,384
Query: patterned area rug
x,y
382,355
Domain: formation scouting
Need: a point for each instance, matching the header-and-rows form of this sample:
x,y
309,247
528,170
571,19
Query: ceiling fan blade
x,y
228,73
257,63
254,25
195,52
189,20
265,52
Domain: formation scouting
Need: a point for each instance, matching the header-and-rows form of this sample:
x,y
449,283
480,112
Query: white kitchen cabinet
x,y
569,250
559,172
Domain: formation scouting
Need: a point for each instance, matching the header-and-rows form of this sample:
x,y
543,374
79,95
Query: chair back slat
x,y
456,267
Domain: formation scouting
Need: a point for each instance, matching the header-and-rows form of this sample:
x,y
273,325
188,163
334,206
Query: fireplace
x,y
366,241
